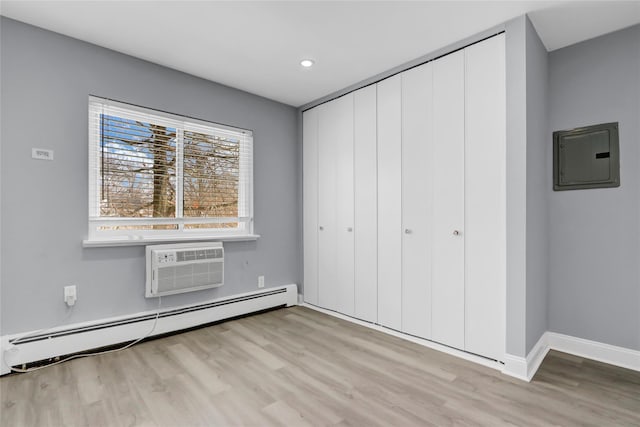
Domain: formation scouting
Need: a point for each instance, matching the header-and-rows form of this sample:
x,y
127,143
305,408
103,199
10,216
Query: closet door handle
x,y
349,229
456,232
407,231
321,228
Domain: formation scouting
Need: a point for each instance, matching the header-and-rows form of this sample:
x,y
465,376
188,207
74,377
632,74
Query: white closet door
x,y
345,206
335,205
485,234
448,207
310,204
389,203
417,199
366,208
327,212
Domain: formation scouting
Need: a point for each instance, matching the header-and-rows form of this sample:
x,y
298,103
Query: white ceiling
x,y
256,46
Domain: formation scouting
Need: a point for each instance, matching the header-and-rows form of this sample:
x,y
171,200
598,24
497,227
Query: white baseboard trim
x,y
27,347
420,341
526,368
606,353
515,366
536,355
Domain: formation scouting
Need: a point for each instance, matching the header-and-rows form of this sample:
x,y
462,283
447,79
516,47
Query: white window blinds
x,y
157,174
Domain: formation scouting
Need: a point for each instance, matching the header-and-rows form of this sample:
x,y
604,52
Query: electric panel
x,y
586,157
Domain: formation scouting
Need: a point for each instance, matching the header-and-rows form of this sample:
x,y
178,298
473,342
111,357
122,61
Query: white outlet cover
x,y
70,292
70,295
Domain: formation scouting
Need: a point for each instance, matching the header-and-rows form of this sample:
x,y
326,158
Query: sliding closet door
x,y
448,208
389,203
485,234
335,205
366,207
417,199
310,204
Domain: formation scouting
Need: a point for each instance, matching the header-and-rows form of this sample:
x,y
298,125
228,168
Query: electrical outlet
x,y
70,295
261,281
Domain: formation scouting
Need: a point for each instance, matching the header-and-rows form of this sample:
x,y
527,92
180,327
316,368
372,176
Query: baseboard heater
x,y
28,347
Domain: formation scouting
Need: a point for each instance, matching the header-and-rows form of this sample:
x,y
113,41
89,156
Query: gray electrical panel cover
x,y
587,157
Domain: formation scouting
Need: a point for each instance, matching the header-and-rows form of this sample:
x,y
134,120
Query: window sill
x,y
153,240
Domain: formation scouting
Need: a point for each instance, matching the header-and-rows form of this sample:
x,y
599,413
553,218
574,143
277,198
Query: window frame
x,y
96,237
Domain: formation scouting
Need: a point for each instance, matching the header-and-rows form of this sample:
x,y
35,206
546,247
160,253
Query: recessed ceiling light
x,y
307,63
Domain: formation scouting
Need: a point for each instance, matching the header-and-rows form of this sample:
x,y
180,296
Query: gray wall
x,y
516,61
527,184
46,79
595,234
538,183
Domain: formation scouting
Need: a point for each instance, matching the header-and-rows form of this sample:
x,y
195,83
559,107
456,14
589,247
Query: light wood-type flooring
x,y
298,367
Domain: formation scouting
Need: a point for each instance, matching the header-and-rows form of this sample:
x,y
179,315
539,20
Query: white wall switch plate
x,y
261,281
41,154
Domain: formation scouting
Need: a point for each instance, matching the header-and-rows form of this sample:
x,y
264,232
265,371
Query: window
x,y
158,176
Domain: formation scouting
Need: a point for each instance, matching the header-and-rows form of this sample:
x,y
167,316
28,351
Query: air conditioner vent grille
x,y
179,268
199,254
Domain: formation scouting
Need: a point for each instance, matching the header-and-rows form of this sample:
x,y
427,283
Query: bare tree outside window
x,y
138,170
159,176
138,174
211,175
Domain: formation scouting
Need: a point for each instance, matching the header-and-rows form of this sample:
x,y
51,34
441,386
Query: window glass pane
x,y
153,173
138,170
211,175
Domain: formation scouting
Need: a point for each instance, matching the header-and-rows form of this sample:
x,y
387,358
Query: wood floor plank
x,y
248,333
257,353
285,415
299,367
199,370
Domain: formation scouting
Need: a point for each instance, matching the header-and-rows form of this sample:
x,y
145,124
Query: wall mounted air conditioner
x,y
178,268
